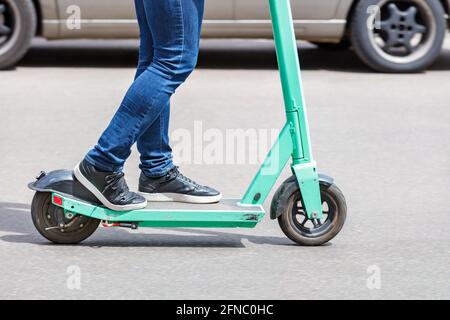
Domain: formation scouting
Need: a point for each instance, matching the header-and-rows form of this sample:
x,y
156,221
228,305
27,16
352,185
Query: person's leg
x,y
174,26
160,180
156,154
110,187
153,144
146,39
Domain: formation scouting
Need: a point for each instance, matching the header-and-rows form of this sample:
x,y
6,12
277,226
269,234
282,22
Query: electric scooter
x,y
309,207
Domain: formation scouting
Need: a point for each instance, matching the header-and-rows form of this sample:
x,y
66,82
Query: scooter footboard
x,y
226,214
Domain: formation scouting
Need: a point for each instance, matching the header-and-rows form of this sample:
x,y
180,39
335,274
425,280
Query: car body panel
x,y
49,12
315,20
223,18
302,9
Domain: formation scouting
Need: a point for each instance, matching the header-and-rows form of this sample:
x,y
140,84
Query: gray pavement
x,y
385,138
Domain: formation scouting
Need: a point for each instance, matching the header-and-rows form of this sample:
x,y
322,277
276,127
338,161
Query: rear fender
x,y
64,182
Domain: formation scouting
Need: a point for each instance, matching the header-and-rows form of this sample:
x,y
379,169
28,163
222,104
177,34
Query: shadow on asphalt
x,y
15,219
211,57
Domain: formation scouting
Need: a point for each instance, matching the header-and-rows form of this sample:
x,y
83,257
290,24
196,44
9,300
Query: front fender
x,y
286,189
62,181
326,180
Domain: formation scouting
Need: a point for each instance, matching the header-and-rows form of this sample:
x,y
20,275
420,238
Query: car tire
x,y
390,46
17,28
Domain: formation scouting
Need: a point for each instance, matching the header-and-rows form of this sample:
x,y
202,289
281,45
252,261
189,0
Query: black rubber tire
x,y
365,51
20,42
282,205
41,201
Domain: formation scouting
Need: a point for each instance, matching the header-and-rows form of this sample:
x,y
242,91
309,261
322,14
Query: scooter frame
x,y
293,142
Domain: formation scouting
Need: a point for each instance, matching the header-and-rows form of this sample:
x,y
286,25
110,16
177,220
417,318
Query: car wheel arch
x,y
38,10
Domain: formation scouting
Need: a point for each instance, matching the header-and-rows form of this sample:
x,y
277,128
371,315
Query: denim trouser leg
x,y
156,158
173,30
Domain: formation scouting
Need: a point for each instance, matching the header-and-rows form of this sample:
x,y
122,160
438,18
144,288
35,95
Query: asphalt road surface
x,y
385,138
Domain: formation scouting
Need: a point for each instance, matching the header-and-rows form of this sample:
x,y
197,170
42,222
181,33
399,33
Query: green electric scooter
x,y
310,208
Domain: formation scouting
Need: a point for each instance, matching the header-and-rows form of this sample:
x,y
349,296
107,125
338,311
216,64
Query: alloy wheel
x,y
406,31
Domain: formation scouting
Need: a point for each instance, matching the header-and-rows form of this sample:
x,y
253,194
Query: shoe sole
x,y
88,185
177,197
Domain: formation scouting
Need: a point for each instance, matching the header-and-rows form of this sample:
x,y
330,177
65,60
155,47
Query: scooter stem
x,y
294,140
291,81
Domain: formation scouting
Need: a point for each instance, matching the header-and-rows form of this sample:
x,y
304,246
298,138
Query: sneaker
x,y
110,188
176,187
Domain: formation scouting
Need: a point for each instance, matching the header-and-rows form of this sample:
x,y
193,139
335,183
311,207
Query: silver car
x,y
389,36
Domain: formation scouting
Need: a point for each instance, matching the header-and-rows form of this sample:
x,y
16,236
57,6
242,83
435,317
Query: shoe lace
x,y
117,180
184,178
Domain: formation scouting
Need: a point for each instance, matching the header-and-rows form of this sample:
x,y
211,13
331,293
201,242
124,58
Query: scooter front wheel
x,y
58,226
288,207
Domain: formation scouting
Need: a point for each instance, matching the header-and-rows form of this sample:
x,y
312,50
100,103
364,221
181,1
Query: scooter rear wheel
x,y
54,225
287,205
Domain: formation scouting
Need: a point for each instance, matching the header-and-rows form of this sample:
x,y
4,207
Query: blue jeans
x,y
170,36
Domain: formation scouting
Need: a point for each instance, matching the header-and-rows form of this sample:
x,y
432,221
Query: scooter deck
x,y
228,213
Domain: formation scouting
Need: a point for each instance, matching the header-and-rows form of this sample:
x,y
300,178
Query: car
x,y
388,36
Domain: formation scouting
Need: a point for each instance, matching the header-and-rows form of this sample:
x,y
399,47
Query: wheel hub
x,y
312,226
64,221
401,27
407,31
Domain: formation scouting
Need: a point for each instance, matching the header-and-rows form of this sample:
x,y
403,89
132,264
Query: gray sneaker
x,y
110,188
176,187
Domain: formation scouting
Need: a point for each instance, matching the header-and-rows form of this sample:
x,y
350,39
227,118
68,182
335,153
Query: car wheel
x,y
17,28
400,35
